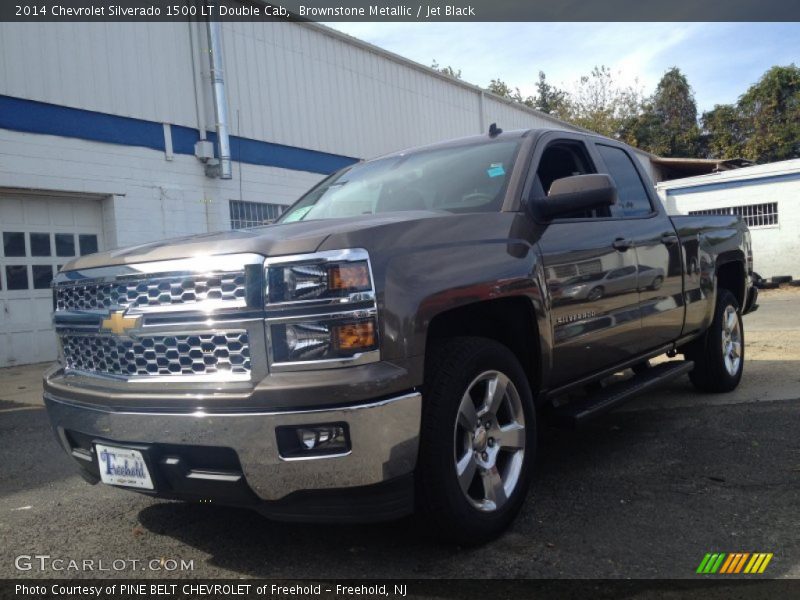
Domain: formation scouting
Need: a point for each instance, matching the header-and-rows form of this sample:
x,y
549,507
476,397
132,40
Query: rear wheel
x,y
719,354
478,440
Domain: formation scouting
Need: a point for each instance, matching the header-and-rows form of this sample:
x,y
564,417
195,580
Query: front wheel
x,y
719,354
478,440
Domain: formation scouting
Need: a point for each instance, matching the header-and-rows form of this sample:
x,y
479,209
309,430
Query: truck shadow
x,y
637,493
245,542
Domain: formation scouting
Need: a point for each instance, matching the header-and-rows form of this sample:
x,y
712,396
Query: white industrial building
x,y
767,197
109,135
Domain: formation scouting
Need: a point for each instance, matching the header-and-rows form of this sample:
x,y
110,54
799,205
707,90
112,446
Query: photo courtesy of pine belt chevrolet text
x,y
392,342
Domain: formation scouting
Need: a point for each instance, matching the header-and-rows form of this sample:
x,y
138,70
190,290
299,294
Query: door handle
x,y
622,244
669,239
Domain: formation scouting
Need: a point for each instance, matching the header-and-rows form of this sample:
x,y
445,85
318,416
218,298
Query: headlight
x,y
321,310
317,281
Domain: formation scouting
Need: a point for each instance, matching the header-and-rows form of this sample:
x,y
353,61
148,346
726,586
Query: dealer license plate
x,y
123,466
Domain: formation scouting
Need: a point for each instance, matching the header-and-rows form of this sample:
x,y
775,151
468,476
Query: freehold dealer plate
x,y
123,466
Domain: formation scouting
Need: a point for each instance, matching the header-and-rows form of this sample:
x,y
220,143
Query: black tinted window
x,y
632,195
622,272
40,244
14,243
42,276
87,243
17,277
65,244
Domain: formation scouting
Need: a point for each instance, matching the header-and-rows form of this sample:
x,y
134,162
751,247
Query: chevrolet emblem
x,y
118,323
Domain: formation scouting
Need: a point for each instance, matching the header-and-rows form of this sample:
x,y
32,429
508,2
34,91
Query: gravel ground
x,y
645,491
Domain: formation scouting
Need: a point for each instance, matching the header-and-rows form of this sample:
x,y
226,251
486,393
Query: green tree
x,y
770,111
600,104
500,88
724,132
676,109
666,123
448,70
550,99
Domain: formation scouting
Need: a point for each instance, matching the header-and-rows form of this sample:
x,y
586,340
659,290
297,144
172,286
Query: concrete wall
x,y
148,197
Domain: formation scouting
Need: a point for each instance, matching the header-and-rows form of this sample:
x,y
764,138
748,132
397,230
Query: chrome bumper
x,y
384,438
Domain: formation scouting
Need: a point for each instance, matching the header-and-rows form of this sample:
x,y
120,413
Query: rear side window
x,y
632,195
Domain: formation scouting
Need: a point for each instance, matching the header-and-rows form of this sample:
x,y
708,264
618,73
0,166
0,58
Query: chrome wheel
x,y
731,340
489,441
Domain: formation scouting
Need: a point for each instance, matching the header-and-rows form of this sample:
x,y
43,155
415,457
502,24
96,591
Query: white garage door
x,y
38,234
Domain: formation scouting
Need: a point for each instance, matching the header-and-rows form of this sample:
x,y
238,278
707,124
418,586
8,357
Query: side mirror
x,y
577,193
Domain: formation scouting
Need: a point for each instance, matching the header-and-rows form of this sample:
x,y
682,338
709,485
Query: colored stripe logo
x,y
734,563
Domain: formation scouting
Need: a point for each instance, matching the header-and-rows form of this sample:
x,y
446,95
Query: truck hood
x,y
271,240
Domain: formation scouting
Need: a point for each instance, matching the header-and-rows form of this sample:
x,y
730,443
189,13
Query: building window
x,y
253,214
754,215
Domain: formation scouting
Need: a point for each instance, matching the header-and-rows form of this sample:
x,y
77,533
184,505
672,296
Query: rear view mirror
x,y
577,193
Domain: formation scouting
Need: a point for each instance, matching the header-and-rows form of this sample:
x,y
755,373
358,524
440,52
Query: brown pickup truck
x,y
391,342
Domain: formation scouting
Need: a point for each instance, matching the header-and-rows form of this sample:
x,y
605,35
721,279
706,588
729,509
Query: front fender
x,y
427,267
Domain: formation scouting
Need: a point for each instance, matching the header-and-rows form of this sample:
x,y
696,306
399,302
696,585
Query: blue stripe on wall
x,y
30,116
52,119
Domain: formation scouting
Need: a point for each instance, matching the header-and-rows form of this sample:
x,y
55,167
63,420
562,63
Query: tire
x,y
451,441
595,294
657,283
716,369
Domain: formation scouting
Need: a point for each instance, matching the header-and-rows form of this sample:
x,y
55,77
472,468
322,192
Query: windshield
x,y
467,178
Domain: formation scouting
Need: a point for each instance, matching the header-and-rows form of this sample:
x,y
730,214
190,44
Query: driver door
x,y
590,272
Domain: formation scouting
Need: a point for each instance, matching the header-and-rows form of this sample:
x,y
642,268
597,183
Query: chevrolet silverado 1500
x,y
390,343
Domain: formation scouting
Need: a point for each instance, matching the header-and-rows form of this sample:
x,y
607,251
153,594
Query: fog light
x,y
305,441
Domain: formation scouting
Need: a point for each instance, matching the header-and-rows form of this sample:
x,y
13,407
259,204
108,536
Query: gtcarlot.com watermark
x,y
47,563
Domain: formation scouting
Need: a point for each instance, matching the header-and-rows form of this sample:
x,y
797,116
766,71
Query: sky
x,y
720,60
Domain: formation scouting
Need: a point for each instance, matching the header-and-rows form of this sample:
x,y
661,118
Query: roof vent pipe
x,y
220,102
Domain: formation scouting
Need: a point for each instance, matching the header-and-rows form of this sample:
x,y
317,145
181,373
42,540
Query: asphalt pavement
x,y
643,492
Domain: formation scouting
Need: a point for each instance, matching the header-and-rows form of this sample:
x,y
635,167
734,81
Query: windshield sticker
x,y
495,170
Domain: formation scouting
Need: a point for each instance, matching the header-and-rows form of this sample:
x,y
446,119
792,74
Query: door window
x,y
617,273
560,159
632,199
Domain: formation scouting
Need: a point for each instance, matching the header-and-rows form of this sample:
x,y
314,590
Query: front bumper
x,y
383,434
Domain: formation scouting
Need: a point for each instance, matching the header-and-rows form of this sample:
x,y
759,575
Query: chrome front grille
x,y
152,291
208,353
183,320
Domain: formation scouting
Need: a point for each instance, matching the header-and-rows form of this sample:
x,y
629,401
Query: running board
x,y
577,413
